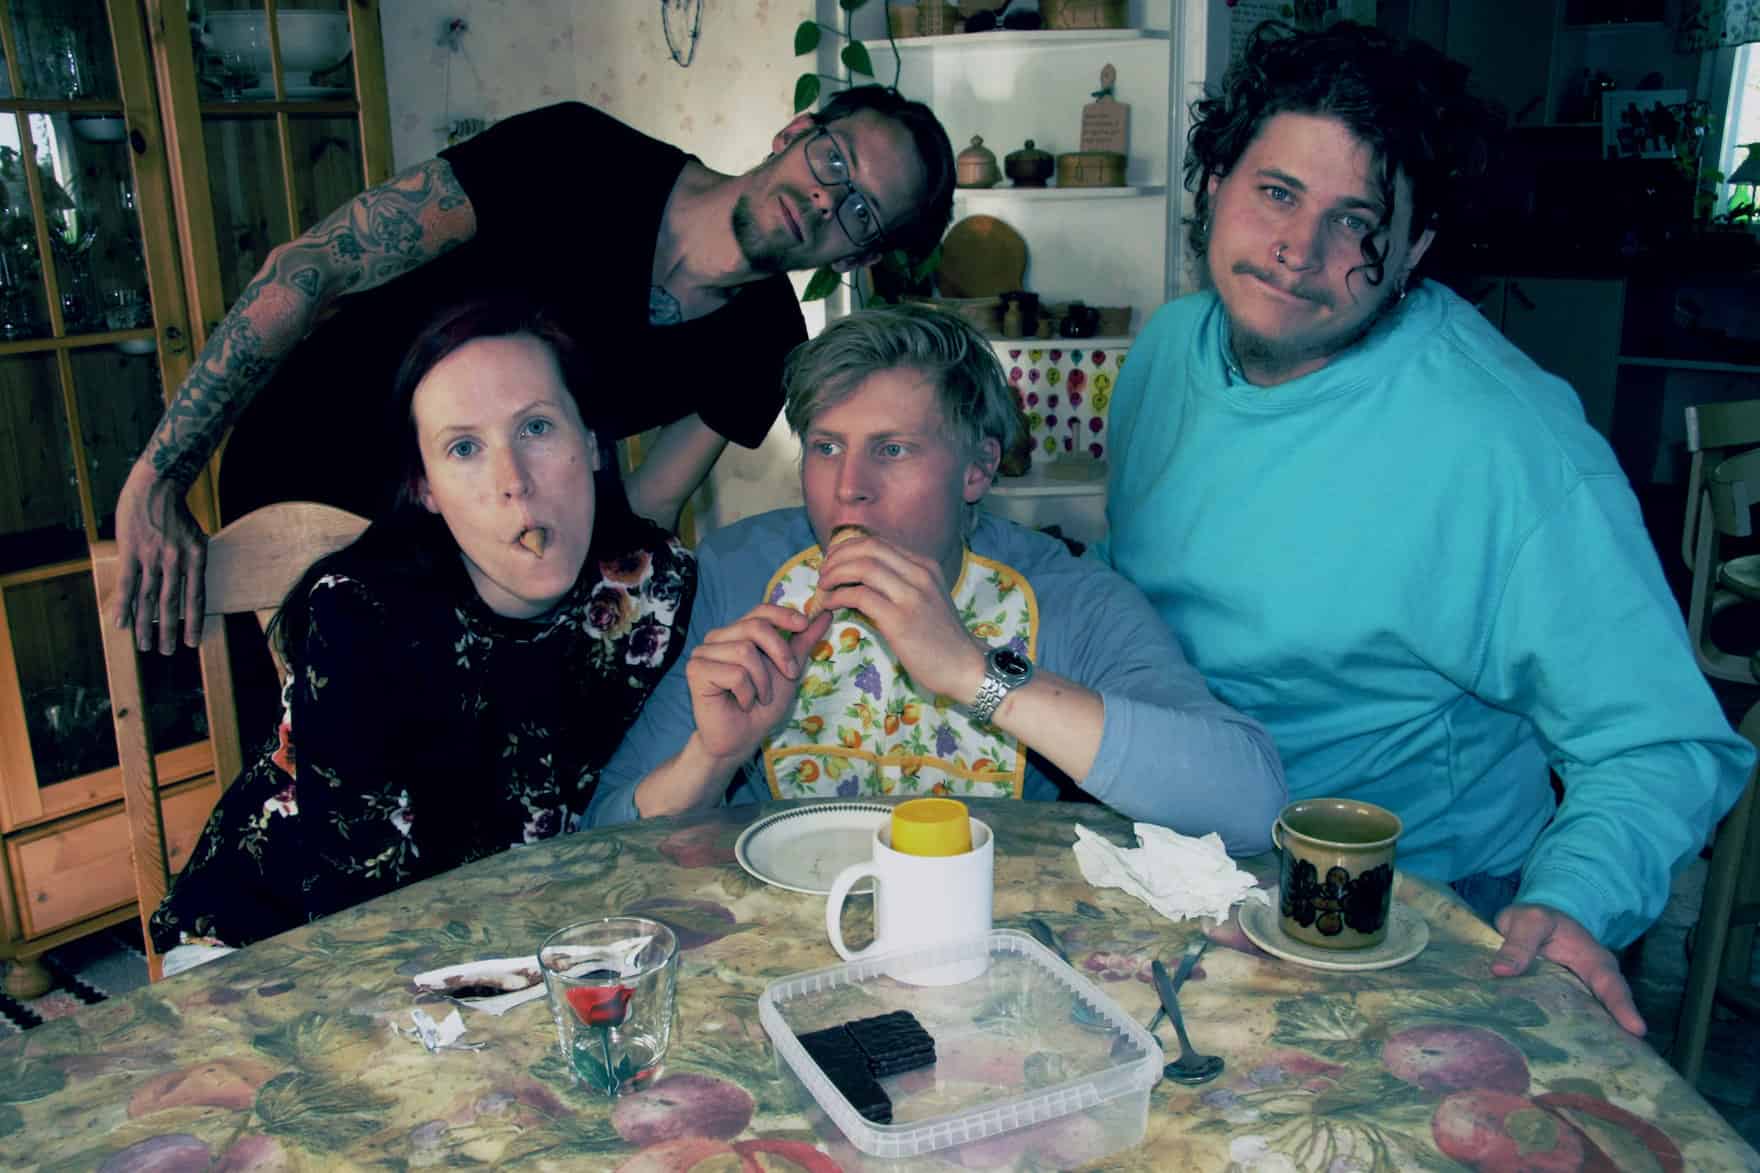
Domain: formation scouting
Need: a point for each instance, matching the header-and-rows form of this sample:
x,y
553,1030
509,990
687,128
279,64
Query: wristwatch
x,y
1004,671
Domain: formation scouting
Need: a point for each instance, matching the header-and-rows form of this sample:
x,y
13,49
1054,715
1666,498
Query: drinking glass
x,y
613,986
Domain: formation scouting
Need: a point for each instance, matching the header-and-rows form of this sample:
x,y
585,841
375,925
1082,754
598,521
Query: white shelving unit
x,y
1110,246
1007,193
1030,39
1103,246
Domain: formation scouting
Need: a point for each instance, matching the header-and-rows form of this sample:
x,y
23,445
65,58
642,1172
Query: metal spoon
x,y
1082,1014
1194,950
1190,1067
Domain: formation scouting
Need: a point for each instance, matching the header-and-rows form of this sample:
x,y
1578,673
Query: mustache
x,y
1318,296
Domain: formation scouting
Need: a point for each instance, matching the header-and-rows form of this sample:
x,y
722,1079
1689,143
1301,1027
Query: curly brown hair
x,y
1407,102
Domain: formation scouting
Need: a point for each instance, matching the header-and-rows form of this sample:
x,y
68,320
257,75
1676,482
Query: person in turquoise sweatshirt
x,y
1381,530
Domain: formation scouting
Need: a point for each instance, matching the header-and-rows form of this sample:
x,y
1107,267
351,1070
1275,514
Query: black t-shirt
x,y
568,204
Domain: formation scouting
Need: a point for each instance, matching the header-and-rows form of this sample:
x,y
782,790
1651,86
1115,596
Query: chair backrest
x,y
1732,488
1714,431
251,566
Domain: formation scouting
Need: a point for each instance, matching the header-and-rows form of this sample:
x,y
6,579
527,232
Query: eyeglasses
x,y
855,212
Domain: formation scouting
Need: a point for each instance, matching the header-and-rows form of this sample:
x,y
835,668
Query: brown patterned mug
x,y
1336,881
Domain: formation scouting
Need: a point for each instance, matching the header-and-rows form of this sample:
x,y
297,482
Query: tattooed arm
x,y
383,232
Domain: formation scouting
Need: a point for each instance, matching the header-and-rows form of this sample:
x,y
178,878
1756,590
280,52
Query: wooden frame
x,y
24,799
252,564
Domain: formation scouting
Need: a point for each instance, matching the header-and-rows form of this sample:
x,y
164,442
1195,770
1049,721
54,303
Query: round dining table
x,y
298,1052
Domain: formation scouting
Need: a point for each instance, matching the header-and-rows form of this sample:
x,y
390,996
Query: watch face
x,y
1011,663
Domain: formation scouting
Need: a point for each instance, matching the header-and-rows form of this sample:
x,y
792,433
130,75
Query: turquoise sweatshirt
x,y
1425,574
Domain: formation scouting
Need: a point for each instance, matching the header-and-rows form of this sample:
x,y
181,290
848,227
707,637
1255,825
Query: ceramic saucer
x,y
1407,934
803,848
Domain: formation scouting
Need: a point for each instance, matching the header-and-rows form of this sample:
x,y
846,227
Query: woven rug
x,y
86,971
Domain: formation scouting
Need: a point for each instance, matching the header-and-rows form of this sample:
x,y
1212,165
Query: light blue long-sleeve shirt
x,y
1170,753
1425,573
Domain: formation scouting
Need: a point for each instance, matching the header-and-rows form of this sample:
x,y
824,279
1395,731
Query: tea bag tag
x,y
1106,121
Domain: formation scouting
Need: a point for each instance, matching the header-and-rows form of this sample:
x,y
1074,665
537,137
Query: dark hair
x,y
406,541
919,234
1403,99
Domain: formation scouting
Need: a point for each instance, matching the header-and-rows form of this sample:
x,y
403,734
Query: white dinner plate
x,y
1407,934
803,848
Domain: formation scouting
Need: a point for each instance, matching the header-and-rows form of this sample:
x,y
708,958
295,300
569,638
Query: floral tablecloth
x,y
284,1055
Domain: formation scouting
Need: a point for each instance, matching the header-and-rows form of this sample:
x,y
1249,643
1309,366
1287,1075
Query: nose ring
x,y
1280,249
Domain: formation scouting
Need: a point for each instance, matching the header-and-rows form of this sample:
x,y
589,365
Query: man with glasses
x,y
670,274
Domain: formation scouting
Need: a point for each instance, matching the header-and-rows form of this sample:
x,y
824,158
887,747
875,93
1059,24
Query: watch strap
x,y
990,694
1000,678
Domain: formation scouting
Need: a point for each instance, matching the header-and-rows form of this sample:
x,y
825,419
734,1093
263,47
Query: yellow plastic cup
x,y
931,826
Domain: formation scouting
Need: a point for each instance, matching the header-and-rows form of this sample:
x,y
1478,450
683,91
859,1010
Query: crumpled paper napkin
x,y
1176,875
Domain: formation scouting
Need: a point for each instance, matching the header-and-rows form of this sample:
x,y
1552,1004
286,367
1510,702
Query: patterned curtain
x,y
1709,24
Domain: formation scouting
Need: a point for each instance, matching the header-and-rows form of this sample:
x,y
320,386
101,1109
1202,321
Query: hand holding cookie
x,y
904,599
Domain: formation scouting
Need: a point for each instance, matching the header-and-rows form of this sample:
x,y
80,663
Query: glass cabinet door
x,y
287,133
92,329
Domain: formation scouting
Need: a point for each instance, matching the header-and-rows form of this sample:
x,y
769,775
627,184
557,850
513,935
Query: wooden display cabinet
x,y
155,152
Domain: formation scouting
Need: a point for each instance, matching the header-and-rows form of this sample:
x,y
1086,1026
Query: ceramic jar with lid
x,y
1029,166
976,165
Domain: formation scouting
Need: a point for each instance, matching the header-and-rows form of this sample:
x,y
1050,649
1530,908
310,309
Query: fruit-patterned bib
x,y
860,725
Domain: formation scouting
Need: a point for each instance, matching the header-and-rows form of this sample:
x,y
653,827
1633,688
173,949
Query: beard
x,y
1275,357
762,254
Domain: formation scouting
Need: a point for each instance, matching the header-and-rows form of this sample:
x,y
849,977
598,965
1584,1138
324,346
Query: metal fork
x,y
1194,950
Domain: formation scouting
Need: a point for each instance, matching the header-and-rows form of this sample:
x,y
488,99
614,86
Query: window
x,y
1742,123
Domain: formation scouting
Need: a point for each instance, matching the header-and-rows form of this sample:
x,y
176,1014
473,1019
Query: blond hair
x,y
976,401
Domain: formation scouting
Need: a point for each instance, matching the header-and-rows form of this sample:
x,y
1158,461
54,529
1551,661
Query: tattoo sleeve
x,y
380,234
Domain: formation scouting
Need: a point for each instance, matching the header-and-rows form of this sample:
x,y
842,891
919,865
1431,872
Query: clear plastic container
x,y
1030,1058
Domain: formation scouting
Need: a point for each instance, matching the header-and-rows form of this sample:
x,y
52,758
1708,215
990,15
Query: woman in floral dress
x,y
458,675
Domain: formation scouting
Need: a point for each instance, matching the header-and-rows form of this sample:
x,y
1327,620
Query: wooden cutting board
x,y
981,257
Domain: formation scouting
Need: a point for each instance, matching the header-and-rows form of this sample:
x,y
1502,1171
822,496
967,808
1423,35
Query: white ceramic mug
x,y
921,900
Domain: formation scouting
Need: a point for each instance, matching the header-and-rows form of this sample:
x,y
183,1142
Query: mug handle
x,y
1276,825
846,879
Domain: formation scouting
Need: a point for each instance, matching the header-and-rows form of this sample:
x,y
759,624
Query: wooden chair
x,y
1723,483
252,564
1723,941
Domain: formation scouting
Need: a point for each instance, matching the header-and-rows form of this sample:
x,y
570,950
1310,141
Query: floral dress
x,y
421,731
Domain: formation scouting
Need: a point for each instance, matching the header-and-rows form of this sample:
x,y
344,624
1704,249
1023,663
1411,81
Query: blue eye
x,y
1355,224
1276,194
462,449
823,448
894,450
539,427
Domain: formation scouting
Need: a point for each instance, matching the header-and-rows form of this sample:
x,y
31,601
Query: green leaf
x,y
806,91
1534,1047
159,1013
1329,1027
927,266
855,58
1373,1092
314,1034
823,283
806,37
1584,1087
29,1081
318,1113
